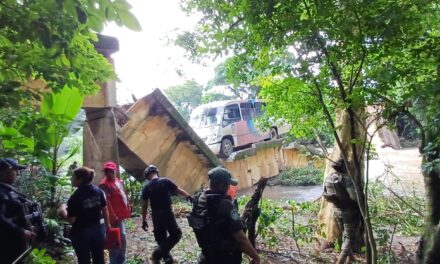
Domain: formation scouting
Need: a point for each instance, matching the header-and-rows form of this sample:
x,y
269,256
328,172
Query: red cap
x,y
110,165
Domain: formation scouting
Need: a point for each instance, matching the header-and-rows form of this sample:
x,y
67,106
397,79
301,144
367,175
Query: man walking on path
x,y
166,231
118,208
221,235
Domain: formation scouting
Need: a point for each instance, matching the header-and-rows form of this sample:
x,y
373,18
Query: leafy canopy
x,y
52,41
312,57
48,62
185,97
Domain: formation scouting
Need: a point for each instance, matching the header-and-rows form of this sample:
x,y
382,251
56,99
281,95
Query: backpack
x,y
335,191
202,221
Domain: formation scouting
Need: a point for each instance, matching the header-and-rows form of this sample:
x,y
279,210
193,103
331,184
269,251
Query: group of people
x,y
94,210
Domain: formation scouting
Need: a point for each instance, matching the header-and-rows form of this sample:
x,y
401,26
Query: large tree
x,y
47,50
413,90
227,76
185,97
321,63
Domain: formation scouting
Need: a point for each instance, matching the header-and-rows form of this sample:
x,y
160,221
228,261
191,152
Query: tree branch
x,y
364,52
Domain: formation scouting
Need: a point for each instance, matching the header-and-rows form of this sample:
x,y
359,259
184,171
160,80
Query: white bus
x,y
225,125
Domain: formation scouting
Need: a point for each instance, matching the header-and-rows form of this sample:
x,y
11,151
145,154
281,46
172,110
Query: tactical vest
x,y
23,212
207,228
335,191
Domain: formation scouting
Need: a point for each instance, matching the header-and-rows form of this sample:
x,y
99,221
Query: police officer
x,y
158,192
339,190
14,229
222,239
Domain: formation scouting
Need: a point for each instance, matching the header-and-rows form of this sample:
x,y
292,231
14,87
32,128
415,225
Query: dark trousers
x,y
220,257
89,242
11,248
166,233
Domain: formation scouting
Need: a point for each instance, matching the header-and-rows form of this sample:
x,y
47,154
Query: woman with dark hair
x,y
85,210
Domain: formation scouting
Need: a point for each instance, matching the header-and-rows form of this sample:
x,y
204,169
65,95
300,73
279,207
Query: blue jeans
x,y
117,256
89,242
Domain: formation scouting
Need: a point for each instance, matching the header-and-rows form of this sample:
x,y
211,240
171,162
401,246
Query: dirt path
x,y
399,169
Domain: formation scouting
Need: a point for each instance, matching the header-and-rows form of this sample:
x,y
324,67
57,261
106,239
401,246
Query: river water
x,y
278,192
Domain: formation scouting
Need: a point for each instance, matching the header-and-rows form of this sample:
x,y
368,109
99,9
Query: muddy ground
x,y
141,244
398,169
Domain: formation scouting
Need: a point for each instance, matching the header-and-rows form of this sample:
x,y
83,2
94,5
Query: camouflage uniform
x,y
339,190
220,220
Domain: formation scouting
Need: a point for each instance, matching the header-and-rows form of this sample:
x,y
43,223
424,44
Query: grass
x,y
305,176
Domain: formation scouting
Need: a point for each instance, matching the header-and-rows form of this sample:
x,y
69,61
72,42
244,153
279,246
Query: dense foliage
x,y
185,97
309,175
48,62
317,58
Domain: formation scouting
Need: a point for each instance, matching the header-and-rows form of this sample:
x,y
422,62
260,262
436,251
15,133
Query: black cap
x,y
220,174
9,163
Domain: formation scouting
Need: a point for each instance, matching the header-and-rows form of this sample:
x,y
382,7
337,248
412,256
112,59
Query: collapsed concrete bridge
x,y
151,131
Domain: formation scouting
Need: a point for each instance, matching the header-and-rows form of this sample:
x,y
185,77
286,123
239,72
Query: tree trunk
x,y
429,246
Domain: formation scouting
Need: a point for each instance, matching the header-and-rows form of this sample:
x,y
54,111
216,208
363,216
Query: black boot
x,y
168,259
156,256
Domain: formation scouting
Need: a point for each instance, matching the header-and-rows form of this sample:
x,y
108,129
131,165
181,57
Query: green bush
x,y
39,256
387,211
133,189
309,175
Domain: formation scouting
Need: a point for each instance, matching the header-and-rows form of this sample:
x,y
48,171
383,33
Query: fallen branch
x,y
291,256
405,202
252,211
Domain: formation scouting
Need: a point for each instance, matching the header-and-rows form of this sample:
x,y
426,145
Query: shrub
x,y
133,190
39,256
309,175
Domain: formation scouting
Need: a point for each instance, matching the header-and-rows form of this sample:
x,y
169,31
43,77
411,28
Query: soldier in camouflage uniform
x,y
339,190
16,230
217,224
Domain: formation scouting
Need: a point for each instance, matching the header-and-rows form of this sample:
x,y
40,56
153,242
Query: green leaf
x,y
129,20
65,60
66,103
95,22
9,144
8,131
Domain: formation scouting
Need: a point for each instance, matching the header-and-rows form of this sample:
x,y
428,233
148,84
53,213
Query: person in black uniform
x,y
220,234
85,210
15,232
159,191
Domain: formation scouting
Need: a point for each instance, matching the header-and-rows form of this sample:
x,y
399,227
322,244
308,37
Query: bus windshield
x,y
206,117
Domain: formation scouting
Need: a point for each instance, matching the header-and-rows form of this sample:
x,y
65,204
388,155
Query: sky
x,y
145,60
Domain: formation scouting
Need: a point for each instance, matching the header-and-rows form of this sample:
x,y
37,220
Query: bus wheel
x,y
273,133
226,148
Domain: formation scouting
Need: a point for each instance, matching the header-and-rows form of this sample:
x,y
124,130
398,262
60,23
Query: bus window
x,y
231,115
195,118
206,117
209,117
247,111
259,108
